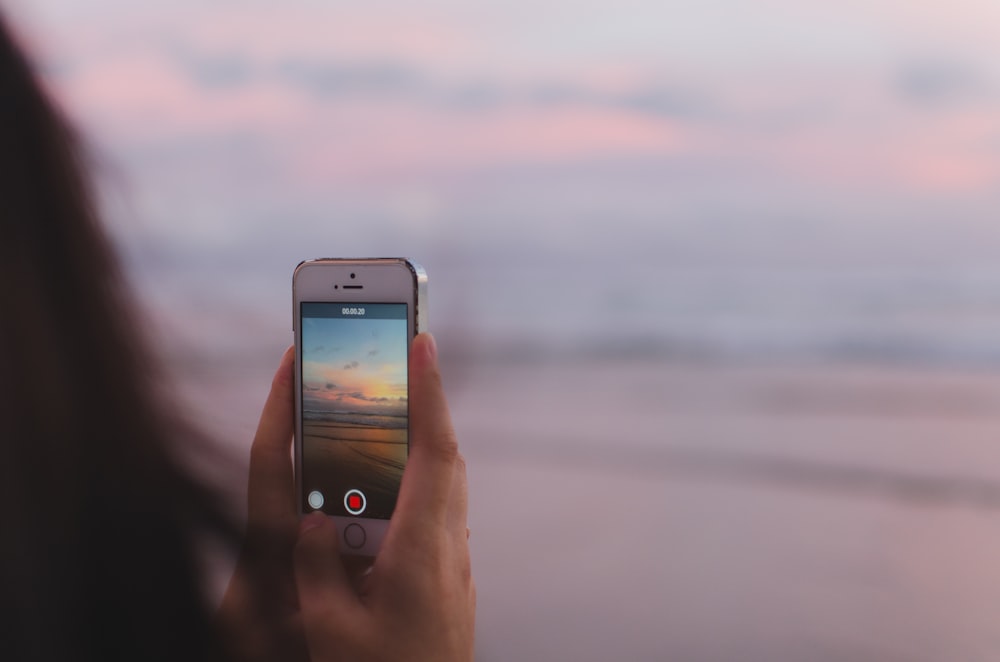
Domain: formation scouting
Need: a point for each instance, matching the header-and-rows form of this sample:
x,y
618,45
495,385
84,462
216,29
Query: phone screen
x,y
354,406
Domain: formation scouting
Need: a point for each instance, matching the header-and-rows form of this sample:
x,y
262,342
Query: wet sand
x,y
681,512
341,457
656,511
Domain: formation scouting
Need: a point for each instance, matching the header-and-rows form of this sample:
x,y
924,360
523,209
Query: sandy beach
x,y
668,511
720,512
340,457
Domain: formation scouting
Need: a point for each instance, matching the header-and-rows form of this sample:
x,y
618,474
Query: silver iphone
x,y
354,321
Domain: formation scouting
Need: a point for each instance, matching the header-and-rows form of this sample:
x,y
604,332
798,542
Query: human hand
x,y
418,601
259,614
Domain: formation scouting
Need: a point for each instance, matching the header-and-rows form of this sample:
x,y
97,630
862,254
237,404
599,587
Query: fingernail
x,y
311,521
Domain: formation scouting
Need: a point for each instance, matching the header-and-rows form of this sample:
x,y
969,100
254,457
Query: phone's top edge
x,y
418,271
358,259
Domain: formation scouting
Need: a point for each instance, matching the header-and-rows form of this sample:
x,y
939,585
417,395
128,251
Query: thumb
x,y
326,599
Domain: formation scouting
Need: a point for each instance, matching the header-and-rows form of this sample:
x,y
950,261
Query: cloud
x,y
666,101
224,71
935,82
379,400
213,70
653,98
349,78
387,79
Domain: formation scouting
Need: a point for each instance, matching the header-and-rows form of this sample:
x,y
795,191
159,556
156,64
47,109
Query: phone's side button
x,y
355,536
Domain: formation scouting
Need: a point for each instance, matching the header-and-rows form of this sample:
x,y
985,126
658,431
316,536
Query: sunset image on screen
x,y
354,406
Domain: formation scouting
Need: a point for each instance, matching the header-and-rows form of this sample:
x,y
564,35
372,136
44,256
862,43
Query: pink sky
x,y
889,98
127,68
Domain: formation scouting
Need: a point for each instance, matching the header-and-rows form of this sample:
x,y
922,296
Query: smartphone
x,y
354,321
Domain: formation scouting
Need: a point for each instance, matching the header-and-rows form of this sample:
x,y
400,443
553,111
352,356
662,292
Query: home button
x,y
355,536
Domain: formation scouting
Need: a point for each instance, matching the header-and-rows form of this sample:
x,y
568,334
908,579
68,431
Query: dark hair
x,y
101,520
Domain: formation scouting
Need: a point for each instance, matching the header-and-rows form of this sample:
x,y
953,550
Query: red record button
x,y
355,502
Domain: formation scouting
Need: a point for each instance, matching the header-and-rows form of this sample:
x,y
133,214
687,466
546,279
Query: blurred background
x,y
715,284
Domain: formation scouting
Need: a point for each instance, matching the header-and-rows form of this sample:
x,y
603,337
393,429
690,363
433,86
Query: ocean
x,y
590,306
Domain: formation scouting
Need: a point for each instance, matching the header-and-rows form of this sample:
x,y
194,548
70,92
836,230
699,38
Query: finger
x,y
425,492
270,492
328,604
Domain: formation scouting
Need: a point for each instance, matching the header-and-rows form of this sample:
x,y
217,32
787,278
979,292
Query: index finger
x,y
270,491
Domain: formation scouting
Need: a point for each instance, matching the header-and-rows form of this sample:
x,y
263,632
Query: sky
x,y
542,140
888,96
354,366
